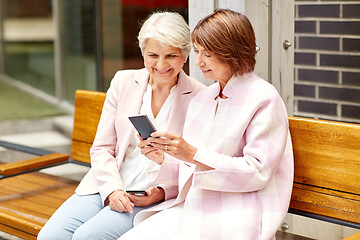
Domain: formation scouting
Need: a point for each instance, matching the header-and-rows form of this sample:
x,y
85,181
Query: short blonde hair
x,y
230,36
169,28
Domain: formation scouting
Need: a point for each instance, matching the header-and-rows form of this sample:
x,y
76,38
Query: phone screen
x,y
143,125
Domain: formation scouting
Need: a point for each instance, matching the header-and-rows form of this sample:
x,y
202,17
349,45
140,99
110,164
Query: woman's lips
x,y
162,72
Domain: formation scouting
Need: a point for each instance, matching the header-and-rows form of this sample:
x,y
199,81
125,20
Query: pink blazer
x,y
246,139
124,98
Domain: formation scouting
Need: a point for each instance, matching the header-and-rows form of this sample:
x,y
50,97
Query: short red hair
x,y
230,36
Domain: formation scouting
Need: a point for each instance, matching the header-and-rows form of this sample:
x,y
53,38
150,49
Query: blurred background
x,y
56,47
50,48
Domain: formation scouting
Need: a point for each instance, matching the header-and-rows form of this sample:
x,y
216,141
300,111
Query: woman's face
x,y
211,66
163,63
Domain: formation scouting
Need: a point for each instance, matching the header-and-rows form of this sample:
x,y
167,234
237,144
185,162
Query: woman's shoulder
x,y
121,77
262,86
262,92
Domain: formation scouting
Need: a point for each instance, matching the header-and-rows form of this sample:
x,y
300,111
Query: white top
x,y
134,169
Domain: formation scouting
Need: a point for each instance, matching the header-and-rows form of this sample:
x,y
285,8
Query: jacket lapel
x,y
129,104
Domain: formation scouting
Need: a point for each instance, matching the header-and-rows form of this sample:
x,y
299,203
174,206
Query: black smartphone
x,y
137,192
142,125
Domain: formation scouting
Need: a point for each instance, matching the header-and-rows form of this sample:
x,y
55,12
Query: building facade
x,y
52,48
327,60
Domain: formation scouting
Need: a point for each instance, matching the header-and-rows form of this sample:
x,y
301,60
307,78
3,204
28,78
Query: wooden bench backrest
x,y
327,168
88,107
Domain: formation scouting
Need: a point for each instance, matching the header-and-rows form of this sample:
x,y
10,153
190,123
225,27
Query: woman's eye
x,y
207,55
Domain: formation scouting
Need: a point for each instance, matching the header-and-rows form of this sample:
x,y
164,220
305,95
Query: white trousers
x,y
164,225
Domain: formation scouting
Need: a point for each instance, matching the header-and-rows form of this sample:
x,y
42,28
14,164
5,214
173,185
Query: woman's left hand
x,y
173,145
150,152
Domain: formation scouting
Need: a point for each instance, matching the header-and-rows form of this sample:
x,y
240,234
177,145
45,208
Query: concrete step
x,y
68,170
62,124
52,134
49,133
50,140
6,236
26,126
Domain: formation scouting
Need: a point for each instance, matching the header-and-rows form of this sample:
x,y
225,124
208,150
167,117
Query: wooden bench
x,y
327,171
326,183
27,197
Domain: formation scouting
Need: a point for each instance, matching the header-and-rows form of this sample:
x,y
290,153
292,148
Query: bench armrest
x,y
32,164
45,159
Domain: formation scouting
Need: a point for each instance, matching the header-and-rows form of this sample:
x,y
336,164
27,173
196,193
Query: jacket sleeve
x,y
102,152
168,176
266,137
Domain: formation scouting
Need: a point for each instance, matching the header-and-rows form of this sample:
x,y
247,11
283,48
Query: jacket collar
x,y
232,86
183,84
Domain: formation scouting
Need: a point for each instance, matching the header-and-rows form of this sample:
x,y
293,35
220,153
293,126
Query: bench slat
x,y
16,232
327,167
323,147
88,108
81,151
316,200
27,201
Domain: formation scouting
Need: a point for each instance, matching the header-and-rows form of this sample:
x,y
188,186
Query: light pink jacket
x,y
246,140
124,99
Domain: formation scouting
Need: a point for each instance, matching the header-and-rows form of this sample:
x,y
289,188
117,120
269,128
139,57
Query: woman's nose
x,y
198,60
161,63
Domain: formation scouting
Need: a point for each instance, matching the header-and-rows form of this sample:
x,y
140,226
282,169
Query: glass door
x,y
28,43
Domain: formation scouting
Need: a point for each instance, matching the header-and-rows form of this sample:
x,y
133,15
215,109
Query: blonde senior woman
x,y
235,172
101,208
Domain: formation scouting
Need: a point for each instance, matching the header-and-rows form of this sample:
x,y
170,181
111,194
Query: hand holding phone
x,y
143,125
137,192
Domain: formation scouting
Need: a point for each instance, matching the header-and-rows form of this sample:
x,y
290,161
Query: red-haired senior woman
x,y
235,172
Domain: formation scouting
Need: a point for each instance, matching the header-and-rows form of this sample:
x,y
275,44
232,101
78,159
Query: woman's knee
x,y
90,233
100,228
83,234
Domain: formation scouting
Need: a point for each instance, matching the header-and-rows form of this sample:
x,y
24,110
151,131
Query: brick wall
x,y
327,59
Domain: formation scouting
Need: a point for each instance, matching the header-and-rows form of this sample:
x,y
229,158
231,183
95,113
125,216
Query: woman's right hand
x,y
152,153
119,201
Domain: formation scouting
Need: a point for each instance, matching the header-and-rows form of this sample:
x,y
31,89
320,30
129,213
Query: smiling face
x,y
163,63
212,67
